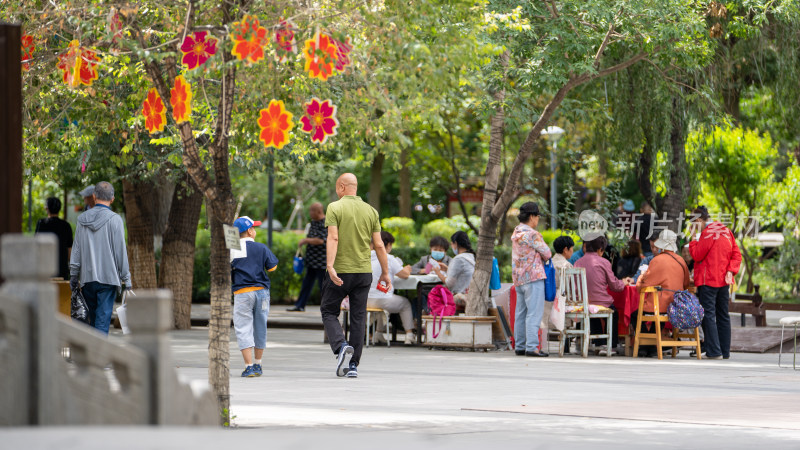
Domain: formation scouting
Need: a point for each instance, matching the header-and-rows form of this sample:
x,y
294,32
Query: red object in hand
x,y
383,287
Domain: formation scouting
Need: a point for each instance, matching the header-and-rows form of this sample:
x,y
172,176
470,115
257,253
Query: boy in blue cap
x,y
250,286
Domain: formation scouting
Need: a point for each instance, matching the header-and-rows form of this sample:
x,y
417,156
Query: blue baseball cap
x,y
244,223
628,206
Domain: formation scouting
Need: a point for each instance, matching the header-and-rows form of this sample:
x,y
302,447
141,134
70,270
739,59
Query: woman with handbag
x,y
528,255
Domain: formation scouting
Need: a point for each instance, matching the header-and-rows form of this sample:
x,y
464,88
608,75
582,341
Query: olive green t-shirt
x,y
356,221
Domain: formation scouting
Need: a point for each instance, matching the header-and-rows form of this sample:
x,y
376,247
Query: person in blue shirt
x,y
578,255
250,285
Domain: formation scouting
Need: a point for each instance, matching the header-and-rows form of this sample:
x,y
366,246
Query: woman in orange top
x,y
667,269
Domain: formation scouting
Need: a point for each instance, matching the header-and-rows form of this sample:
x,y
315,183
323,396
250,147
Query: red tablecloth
x,y
626,302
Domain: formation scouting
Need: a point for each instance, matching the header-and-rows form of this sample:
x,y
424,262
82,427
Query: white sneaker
x,y
411,338
379,338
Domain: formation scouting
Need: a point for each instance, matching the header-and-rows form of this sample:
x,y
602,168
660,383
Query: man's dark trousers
x,y
716,320
312,276
356,285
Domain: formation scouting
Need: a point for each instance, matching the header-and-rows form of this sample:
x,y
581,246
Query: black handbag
x,y
78,309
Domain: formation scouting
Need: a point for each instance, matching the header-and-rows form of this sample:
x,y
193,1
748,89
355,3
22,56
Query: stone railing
x,y
54,371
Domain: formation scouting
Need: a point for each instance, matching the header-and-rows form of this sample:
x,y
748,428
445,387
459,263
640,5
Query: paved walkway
x,y
411,396
481,398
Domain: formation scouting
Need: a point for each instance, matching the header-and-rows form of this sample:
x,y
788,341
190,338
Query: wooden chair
x,y
573,287
658,317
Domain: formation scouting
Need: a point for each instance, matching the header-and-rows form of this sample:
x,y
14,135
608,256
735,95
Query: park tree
x,y
384,79
565,45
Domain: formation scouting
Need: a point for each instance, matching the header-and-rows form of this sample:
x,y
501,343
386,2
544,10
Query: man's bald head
x,y
316,211
347,184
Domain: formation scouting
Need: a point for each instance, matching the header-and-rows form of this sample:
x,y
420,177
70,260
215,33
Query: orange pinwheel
x,y
78,64
28,46
154,112
249,39
321,56
275,123
181,99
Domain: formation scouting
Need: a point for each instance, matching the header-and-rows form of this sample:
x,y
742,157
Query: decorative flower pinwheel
x,y
181,99
320,120
275,123
197,48
249,39
320,54
114,25
154,112
342,53
284,39
28,46
78,64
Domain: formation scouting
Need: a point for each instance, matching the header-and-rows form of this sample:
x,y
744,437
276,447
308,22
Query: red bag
x,y
440,304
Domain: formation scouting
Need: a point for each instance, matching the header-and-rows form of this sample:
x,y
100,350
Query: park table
x,y
422,284
626,302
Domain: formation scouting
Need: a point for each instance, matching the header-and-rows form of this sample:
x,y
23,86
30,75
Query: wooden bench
x,y
749,303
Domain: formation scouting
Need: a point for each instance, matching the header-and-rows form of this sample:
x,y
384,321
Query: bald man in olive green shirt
x,y
352,226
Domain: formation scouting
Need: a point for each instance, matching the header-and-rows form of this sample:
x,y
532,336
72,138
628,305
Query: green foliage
x,y
284,283
401,228
447,226
735,169
550,235
201,281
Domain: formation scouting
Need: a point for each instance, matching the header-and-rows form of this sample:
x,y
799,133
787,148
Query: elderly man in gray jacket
x,y
99,261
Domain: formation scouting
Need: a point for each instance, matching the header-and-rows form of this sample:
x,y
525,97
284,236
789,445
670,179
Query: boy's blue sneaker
x,y
343,359
257,369
352,371
249,372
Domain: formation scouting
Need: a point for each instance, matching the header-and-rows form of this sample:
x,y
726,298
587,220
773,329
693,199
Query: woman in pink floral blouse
x,y
528,255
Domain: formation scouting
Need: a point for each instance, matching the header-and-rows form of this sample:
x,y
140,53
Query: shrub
x,y
284,283
402,228
201,283
551,235
447,226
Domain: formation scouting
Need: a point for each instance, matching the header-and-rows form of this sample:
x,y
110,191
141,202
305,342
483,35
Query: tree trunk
x,y
479,286
163,192
674,202
219,326
644,169
139,217
405,185
177,254
375,181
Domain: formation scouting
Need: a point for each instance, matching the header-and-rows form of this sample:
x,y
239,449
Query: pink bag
x,y
440,304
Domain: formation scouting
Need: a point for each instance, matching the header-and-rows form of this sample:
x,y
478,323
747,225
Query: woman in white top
x,y
389,301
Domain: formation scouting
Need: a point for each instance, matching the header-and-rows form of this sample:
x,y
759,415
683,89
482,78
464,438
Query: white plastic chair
x,y
573,286
791,321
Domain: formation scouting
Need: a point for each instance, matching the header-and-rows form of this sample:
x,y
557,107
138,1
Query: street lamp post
x,y
553,133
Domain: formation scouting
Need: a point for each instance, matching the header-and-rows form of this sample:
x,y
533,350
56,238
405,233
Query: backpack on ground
x,y
440,304
685,311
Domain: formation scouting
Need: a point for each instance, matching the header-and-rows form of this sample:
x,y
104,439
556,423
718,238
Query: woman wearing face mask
x,y
438,256
461,268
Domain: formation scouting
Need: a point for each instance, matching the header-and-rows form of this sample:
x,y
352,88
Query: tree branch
x,y
604,44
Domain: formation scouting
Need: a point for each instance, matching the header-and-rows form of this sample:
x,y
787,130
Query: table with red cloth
x,y
626,302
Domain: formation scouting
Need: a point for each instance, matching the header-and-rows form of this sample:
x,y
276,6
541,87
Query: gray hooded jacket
x,y
98,253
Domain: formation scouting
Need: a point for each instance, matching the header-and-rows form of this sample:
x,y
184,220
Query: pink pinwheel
x,y
319,120
197,48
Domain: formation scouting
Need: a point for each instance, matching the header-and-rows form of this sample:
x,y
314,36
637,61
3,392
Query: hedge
x,y
285,284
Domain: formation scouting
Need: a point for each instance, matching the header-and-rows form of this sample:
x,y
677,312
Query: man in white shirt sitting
x,y
389,301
